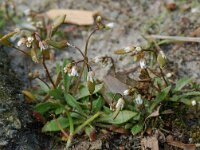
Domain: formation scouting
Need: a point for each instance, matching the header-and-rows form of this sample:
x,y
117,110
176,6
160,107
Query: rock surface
x,y
16,127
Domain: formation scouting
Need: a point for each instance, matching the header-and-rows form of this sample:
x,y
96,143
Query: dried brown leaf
x,y
155,113
149,142
78,17
182,145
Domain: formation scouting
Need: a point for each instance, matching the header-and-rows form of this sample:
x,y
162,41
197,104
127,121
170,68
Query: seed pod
x,y
90,82
59,45
91,86
161,59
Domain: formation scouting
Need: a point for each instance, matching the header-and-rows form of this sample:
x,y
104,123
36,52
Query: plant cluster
x,y
72,102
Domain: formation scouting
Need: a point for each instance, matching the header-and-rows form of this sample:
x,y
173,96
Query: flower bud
x,y
138,49
143,64
139,100
98,19
30,39
21,42
74,72
194,103
43,45
109,25
90,82
161,59
120,104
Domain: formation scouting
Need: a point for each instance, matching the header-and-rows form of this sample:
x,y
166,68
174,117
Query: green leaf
x,y
97,104
123,117
84,91
56,93
60,110
46,106
136,129
182,83
66,78
188,101
188,94
71,101
159,98
43,86
53,126
58,21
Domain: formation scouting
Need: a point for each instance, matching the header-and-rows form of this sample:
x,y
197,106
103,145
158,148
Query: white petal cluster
x,y
139,100
143,64
74,72
126,92
90,76
194,102
138,49
109,25
120,104
25,41
21,42
43,45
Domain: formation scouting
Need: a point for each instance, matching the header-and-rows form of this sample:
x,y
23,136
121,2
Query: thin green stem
x,y
79,128
71,128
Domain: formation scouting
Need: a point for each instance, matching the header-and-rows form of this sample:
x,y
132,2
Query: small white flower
x,y
169,75
65,69
126,92
21,42
142,64
138,49
163,54
98,59
90,76
194,103
120,104
39,24
139,100
74,72
128,49
28,44
43,45
110,25
30,39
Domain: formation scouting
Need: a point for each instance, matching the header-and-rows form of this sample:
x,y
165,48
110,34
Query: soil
x,y
133,20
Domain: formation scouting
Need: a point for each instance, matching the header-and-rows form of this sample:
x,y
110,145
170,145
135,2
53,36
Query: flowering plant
x,y
74,102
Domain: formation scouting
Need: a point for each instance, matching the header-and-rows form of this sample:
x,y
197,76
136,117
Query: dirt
x,y
133,20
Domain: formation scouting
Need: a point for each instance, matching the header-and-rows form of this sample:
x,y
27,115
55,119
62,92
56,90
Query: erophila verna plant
x,y
71,102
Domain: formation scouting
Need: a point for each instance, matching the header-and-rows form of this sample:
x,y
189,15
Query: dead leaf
x,y
78,17
155,113
182,145
149,142
118,129
30,97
